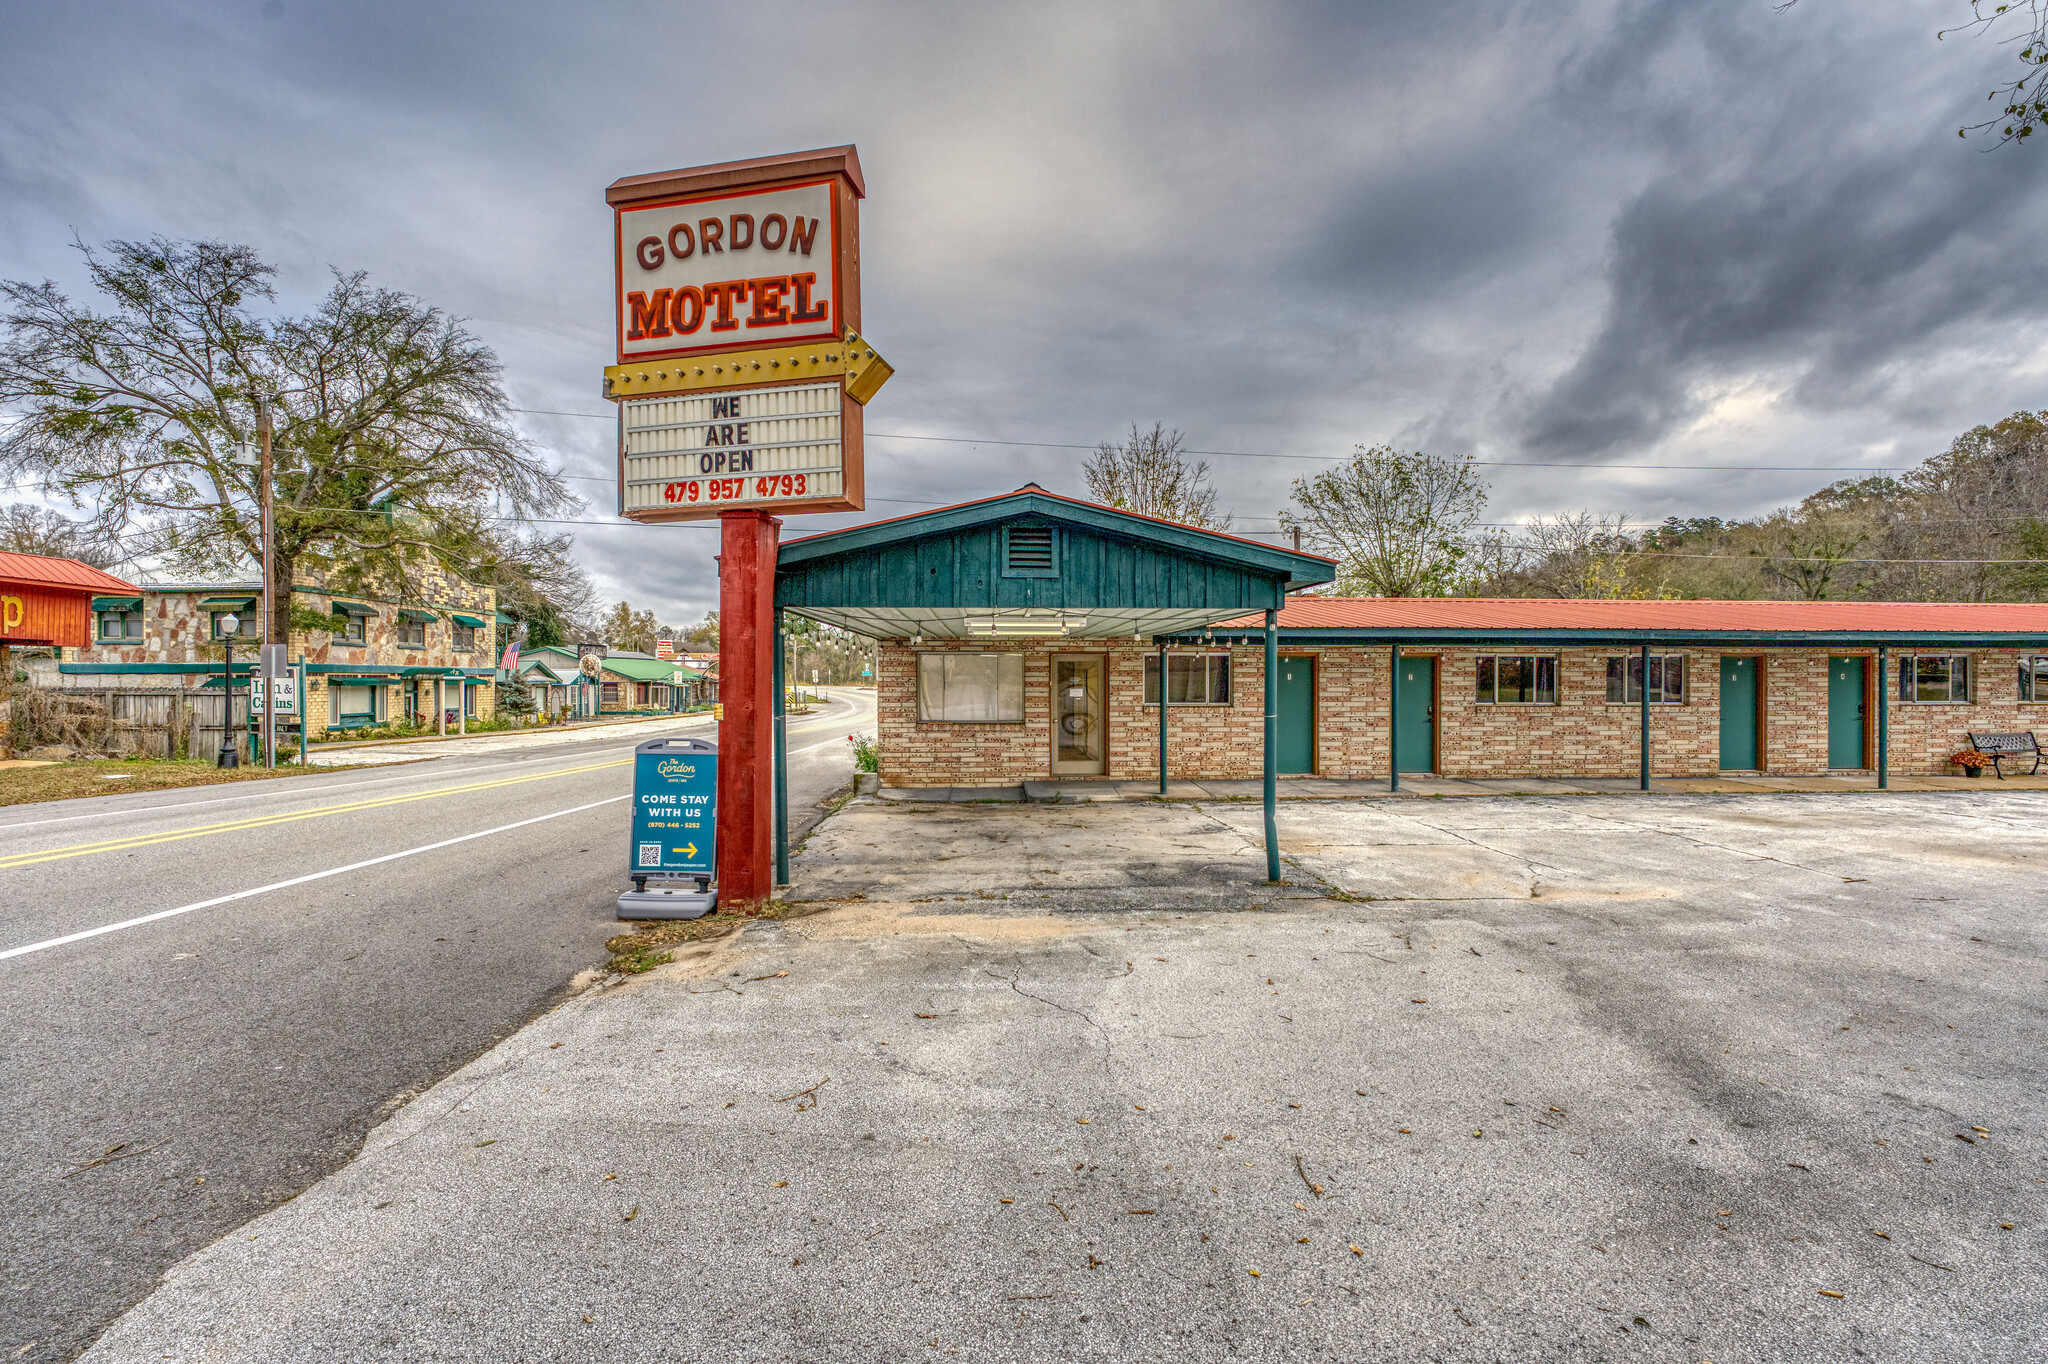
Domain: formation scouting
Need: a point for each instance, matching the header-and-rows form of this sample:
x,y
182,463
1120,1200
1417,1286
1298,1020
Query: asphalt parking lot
x,y
1720,1078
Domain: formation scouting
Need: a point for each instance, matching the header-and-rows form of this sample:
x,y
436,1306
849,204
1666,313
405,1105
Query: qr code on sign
x,y
650,854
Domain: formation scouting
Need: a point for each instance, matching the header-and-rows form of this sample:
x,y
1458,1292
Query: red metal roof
x,y
1524,613
43,570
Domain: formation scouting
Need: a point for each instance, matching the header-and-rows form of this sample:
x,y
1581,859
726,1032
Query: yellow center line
x,y
264,821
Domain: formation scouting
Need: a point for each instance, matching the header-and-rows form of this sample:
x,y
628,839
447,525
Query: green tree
x,y
1147,473
625,628
393,441
1398,525
702,638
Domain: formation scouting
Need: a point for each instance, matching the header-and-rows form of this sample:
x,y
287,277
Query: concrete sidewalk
x,y
1082,791
1729,1078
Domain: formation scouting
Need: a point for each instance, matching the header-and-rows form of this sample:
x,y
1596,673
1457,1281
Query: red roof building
x,y
49,601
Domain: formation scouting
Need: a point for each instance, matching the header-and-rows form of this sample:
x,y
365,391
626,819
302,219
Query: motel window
x,y
351,629
972,689
412,634
119,625
1517,679
247,626
2034,679
465,639
1934,677
1191,679
1667,679
610,694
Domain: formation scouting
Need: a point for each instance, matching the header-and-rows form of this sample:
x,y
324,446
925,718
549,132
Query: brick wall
x,y
1582,735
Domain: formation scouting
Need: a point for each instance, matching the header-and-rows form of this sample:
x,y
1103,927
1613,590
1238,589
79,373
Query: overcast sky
x,y
1673,232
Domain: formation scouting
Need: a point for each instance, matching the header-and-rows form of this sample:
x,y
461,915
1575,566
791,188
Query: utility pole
x,y
263,479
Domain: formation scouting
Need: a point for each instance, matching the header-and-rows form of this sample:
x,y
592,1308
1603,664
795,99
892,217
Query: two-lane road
x,y
210,995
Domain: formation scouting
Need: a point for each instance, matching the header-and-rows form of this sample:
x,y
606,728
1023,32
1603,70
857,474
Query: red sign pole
x,y
746,680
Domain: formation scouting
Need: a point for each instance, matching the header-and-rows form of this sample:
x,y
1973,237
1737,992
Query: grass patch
x,y
111,776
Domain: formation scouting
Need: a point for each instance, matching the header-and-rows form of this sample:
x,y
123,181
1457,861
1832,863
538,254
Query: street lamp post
x,y
228,757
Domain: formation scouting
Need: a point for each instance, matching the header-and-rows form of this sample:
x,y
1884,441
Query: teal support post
x,y
781,765
1884,718
1394,718
1644,689
305,720
1162,717
1272,738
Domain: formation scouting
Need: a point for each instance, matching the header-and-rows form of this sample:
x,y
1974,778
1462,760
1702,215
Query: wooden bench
x,y
1998,747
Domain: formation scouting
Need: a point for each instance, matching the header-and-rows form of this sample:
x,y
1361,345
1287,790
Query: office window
x,y
1516,679
610,693
2033,679
1191,679
247,625
412,634
121,625
1667,679
1934,677
984,689
351,629
465,638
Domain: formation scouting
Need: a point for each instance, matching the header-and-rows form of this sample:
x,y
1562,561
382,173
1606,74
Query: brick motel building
x,y
1023,638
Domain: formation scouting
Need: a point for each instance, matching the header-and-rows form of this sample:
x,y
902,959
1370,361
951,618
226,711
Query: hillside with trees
x,y
1970,524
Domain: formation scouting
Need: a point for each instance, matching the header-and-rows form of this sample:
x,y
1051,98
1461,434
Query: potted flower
x,y
1971,761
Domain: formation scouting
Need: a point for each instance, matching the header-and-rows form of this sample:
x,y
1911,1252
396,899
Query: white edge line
x,y
327,786
296,881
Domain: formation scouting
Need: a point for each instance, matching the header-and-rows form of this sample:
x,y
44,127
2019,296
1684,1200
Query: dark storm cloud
x,y
1572,230
1814,235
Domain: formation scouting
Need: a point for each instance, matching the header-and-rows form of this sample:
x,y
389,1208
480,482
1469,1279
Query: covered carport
x,y
1032,568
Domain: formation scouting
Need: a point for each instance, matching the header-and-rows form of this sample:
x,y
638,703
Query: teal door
x,y
1738,714
1845,712
1296,750
1415,741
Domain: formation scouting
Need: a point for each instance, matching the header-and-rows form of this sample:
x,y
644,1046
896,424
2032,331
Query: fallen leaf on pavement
x,y
1253,1272
1356,1251
781,1183
1082,1121
492,1142
631,1213
924,1015
607,1177
1827,1292
1418,1001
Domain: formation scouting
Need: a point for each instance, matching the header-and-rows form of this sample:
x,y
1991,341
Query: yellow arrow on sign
x,y
690,851
853,357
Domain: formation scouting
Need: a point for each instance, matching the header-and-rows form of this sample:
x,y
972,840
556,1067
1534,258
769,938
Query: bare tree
x,y
1581,555
1149,475
393,440
29,529
1398,525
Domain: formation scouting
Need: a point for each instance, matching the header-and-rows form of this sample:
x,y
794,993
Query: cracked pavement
x,y
1599,1078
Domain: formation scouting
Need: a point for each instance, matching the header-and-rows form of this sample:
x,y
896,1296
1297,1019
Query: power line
x,y
1270,454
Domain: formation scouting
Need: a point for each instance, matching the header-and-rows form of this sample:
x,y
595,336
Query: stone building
x,y
383,658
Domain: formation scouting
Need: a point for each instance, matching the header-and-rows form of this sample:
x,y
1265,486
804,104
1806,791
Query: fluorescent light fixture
x,y
1026,621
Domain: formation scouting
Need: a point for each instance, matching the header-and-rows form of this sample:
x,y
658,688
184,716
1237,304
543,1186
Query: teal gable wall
x,y
963,569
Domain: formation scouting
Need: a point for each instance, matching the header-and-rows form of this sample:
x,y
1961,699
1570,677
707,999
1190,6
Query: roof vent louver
x,y
1029,550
